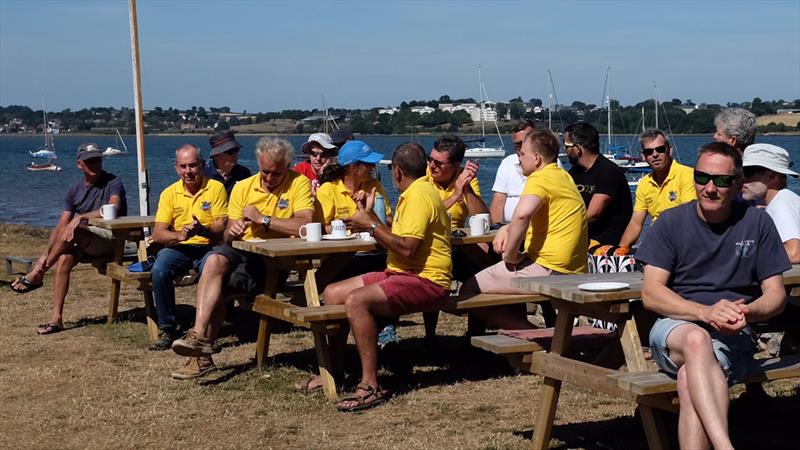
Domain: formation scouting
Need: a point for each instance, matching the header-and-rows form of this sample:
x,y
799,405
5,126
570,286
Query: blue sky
x,y
268,56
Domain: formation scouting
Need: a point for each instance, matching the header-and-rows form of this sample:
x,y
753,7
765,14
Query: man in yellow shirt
x,y
418,269
191,216
550,217
457,186
669,184
275,202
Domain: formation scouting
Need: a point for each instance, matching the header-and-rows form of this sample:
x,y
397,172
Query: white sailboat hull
x,y
111,151
44,168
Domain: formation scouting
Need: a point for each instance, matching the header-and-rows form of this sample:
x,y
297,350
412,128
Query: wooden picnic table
x,y
613,306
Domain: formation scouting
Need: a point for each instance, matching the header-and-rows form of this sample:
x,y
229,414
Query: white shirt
x,y
785,212
510,181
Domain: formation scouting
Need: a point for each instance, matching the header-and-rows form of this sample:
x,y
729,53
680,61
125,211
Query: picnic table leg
x,y
265,323
551,387
310,288
632,346
324,360
150,313
113,292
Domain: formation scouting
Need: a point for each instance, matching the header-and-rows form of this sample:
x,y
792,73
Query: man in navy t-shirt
x,y
712,266
72,237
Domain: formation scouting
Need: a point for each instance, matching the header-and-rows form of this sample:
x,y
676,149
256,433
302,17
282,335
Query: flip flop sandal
x,y
379,396
305,386
49,328
27,285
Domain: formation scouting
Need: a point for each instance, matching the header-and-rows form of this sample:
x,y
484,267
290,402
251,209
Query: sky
x,y
268,56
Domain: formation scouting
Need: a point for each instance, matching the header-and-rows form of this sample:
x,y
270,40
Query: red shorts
x,y
407,292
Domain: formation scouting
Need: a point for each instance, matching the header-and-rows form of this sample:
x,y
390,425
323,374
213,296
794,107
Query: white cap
x,y
322,139
769,157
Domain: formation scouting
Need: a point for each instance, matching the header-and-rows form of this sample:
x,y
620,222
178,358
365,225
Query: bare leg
x,y
336,293
64,268
690,430
60,247
209,294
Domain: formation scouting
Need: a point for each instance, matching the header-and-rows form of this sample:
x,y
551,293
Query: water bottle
x,y
380,208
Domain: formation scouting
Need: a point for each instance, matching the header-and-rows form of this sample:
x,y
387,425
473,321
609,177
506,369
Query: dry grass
x,y
96,386
787,119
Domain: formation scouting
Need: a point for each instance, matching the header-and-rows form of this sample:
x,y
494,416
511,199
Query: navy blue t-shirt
x,y
605,177
81,198
710,262
238,173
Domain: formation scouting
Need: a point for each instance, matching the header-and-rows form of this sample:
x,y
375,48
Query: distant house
x,y
190,126
422,109
789,111
388,110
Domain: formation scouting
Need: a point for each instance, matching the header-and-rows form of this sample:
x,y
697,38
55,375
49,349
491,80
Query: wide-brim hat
x,y
88,150
769,157
358,151
222,141
323,139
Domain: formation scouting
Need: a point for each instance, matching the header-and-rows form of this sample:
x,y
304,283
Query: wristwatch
x,y
265,221
372,228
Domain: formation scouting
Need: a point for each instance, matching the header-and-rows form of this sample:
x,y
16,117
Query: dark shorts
x,y
407,292
247,272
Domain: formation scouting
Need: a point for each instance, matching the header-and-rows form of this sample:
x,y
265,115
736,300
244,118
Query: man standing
x,y
457,187
73,237
320,149
224,166
551,220
191,216
712,267
276,202
601,183
735,127
669,184
765,169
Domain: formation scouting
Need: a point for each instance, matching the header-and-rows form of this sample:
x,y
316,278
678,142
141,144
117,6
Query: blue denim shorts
x,y
733,352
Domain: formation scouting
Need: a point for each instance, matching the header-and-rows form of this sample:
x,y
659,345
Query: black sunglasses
x,y
319,154
659,149
437,163
722,181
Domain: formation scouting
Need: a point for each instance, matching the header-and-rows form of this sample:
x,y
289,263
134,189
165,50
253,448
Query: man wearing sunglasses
x,y
669,184
320,149
712,266
224,165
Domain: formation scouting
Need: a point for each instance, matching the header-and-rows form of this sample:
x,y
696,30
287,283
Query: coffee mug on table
x,y
338,228
478,226
313,232
486,217
108,211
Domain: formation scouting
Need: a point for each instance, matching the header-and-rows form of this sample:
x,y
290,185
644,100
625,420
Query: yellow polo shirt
x,y
421,214
291,196
459,211
677,189
176,207
558,234
335,201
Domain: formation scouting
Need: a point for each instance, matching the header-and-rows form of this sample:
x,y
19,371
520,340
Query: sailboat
x,y
618,154
115,151
48,151
482,151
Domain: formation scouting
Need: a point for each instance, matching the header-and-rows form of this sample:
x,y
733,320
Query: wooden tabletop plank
x,y
124,223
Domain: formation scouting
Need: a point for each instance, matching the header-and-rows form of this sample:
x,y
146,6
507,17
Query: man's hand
x,y
726,316
193,229
69,231
252,214
513,259
467,175
364,217
499,242
237,227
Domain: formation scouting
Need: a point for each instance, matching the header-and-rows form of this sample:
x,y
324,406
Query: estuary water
x,y
35,198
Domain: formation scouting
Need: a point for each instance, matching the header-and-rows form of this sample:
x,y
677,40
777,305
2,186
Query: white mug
x,y
338,228
108,211
313,232
478,226
486,217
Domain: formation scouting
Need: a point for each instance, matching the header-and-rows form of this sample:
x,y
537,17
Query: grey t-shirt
x,y
710,262
81,198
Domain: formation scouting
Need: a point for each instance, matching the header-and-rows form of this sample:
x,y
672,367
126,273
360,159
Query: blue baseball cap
x,y
357,151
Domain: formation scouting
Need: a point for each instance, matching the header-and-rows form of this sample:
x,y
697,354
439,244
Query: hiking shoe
x,y
195,368
164,341
387,336
194,345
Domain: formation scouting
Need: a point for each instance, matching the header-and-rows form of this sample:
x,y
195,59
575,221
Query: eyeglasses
x,y
659,149
324,155
437,163
750,171
232,151
569,144
721,181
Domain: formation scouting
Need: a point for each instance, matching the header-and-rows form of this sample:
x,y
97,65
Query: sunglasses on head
x,y
722,181
659,149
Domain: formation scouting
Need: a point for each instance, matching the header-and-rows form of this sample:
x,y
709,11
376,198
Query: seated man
x,y
705,262
276,202
601,183
550,218
191,216
669,184
72,237
224,166
320,149
417,274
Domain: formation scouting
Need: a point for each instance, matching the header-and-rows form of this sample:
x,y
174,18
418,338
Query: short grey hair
x,y
737,123
652,133
275,148
191,146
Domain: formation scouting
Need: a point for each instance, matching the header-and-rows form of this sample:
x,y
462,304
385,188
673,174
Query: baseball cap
x,y
357,151
339,137
88,150
769,157
322,139
222,141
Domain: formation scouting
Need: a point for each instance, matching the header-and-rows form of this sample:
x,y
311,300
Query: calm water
x,y
35,198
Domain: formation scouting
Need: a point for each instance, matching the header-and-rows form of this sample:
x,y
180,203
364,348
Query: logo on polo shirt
x,y
673,196
205,206
283,203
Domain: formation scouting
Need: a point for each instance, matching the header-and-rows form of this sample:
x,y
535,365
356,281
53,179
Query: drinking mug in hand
x,y
108,211
338,228
313,232
478,226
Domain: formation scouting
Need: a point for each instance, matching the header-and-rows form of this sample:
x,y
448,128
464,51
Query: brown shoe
x,y
195,368
194,345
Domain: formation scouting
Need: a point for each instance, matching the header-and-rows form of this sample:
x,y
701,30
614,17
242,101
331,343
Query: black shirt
x,y
238,173
605,177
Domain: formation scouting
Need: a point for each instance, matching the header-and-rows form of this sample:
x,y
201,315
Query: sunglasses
x,y
569,144
753,170
721,181
320,155
437,163
659,149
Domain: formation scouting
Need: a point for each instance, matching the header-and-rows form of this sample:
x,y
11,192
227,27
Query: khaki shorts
x,y
101,244
496,279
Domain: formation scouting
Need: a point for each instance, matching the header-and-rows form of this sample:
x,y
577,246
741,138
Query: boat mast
x,y
549,101
608,103
144,185
480,93
655,100
643,126
48,144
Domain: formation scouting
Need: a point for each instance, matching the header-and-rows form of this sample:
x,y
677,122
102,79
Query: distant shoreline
x,y
239,133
